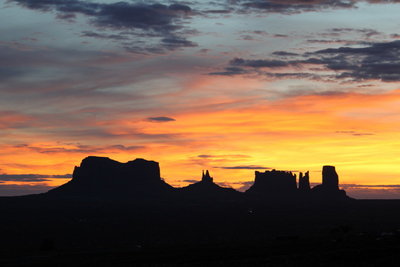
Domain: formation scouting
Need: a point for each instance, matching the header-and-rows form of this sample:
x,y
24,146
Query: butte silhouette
x,y
104,177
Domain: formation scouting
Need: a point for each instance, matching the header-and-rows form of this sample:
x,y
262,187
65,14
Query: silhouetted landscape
x,y
125,214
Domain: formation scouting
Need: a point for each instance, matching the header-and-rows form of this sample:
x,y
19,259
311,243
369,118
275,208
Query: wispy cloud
x,y
244,167
160,119
32,177
20,190
374,61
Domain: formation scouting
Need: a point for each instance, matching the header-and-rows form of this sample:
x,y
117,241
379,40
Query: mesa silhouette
x,y
140,178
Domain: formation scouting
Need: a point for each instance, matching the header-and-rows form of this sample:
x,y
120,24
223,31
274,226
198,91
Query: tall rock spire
x,y
304,182
330,178
206,177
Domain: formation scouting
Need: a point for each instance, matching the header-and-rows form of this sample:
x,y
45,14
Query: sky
x,y
232,86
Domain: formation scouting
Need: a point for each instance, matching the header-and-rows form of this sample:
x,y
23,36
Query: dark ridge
x,y
207,190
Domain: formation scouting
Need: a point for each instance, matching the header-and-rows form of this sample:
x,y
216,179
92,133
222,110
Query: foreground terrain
x,y
48,231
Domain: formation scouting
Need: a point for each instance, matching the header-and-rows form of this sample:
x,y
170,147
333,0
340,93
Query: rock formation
x,y
206,178
274,182
207,189
103,177
329,189
100,175
330,178
304,182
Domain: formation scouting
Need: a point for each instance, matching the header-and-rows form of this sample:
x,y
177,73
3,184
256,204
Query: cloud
x,y
12,119
205,156
21,190
244,167
230,71
156,20
354,133
376,61
259,63
32,177
373,61
190,181
299,6
284,53
334,41
104,36
155,17
292,6
160,119
81,149
370,186
232,156
172,42
361,191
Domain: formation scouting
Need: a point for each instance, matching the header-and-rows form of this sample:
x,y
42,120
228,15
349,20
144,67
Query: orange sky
x,y
358,133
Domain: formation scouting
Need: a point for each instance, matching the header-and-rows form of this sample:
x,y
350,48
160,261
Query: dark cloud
x,y
365,32
332,41
372,61
293,6
370,186
223,156
247,38
157,20
284,53
259,63
298,6
173,42
155,17
217,11
160,119
354,133
97,35
20,190
205,156
32,177
376,61
190,181
244,167
230,71
281,35
360,191
84,149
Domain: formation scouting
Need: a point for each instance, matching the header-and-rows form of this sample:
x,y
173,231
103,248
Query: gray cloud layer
x,y
373,61
31,177
139,19
297,6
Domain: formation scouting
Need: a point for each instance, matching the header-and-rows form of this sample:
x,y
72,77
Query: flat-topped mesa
x,y
97,175
304,182
104,170
273,182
